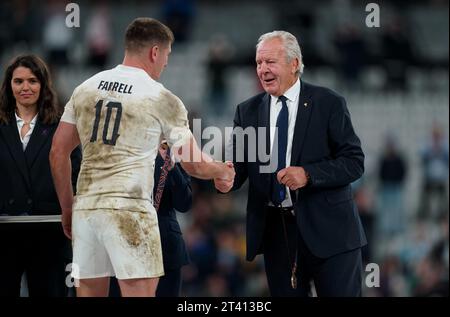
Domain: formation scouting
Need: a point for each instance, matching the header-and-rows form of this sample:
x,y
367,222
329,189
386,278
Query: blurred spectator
x,y
392,278
351,53
228,261
98,36
19,24
435,162
57,37
397,54
392,174
432,274
300,19
216,286
178,16
220,55
201,247
5,22
25,22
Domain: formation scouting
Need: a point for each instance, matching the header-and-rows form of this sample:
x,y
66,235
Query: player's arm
x,y
65,140
200,165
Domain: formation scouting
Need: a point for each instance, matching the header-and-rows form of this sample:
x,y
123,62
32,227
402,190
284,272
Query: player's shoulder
x,y
168,96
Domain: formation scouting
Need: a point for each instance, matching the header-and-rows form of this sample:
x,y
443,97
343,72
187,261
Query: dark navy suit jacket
x,y
326,145
26,184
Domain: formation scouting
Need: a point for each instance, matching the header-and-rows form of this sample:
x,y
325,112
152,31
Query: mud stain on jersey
x,y
172,110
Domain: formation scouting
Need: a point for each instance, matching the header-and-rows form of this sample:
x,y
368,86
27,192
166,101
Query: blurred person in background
x,y
352,54
179,16
98,35
29,115
57,38
392,174
397,53
435,160
432,273
301,217
219,60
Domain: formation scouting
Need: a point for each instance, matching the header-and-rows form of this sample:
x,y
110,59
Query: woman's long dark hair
x,y
47,106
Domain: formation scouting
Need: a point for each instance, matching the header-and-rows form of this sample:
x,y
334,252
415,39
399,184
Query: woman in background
x,y
29,115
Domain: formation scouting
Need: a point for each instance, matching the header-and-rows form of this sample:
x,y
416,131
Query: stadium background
x,y
395,79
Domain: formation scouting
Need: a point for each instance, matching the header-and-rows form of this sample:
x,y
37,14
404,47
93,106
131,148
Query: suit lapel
x,y
301,123
12,139
41,134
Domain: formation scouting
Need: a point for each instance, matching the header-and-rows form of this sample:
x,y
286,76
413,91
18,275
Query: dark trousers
x,y
38,249
169,285
339,275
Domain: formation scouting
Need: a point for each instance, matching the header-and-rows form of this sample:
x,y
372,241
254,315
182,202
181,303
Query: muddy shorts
x,y
117,243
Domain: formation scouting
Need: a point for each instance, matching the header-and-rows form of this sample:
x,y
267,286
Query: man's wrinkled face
x,y
275,72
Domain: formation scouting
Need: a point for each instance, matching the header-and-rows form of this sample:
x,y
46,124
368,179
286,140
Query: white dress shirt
x,y
292,95
26,138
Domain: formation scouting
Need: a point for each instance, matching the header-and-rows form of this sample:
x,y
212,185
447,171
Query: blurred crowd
x,y
411,247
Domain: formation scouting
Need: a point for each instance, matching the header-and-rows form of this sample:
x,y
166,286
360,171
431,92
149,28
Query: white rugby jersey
x,y
121,116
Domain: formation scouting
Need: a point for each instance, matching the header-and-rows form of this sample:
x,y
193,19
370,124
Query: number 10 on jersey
x,y
98,111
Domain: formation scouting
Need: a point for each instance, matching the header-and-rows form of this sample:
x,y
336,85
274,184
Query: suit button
x,y
11,201
29,201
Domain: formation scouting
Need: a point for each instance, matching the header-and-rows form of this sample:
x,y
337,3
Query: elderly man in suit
x,y
301,217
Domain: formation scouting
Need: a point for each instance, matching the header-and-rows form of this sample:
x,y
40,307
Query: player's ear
x,y
153,53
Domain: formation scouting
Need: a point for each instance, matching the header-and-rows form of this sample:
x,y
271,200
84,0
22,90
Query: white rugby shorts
x,y
109,242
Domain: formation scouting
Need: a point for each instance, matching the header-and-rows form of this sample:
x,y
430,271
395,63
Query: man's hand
x,y
293,177
66,220
223,186
225,183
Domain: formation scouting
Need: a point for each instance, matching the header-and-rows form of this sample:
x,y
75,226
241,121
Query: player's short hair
x,y
144,32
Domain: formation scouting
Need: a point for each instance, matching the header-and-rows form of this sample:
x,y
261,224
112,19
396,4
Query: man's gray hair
x,y
290,44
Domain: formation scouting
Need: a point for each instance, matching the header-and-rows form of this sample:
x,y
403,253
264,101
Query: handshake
x,y
224,183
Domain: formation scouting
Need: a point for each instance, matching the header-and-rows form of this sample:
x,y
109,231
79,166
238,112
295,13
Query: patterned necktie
x,y
162,179
279,190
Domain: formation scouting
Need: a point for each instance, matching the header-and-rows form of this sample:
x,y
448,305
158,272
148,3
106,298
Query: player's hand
x,y
223,186
293,177
226,181
229,171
